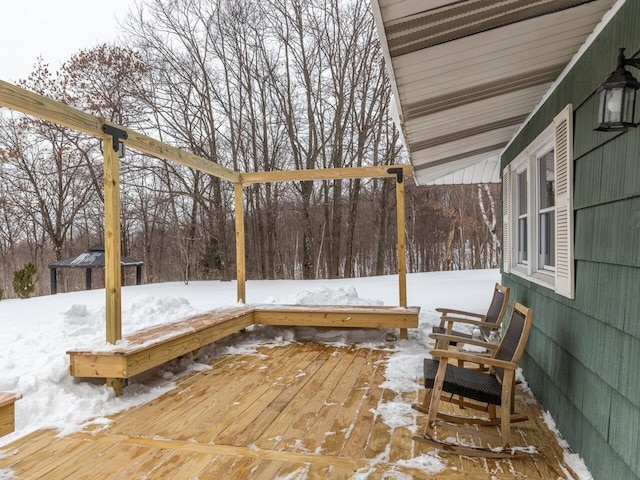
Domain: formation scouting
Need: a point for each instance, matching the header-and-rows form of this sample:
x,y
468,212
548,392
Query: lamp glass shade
x,y
616,109
629,107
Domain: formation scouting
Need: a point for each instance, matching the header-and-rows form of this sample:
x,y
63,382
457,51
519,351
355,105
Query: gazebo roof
x,y
93,258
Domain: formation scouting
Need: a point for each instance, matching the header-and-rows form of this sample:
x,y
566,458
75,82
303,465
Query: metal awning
x,y
467,74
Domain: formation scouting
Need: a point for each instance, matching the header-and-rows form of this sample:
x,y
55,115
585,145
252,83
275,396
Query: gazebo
x,y
93,258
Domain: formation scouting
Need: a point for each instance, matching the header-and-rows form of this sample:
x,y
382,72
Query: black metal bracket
x,y
624,62
398,172
117,135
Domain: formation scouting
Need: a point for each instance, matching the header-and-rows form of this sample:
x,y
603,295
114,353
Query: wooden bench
x,y
7,412
348,316
154,346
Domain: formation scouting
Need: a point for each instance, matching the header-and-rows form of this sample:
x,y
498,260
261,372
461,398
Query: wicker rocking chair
x,y
487,323
478,390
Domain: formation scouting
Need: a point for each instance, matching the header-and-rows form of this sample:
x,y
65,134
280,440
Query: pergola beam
x,y
24,101
323,174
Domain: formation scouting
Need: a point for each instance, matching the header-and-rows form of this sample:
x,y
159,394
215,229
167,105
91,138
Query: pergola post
x,y
112,266
402,245
240,243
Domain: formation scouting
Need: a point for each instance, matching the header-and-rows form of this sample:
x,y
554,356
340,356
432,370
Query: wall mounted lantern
x,y
618,97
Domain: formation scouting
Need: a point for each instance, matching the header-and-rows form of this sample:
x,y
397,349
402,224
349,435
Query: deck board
x,y
301,410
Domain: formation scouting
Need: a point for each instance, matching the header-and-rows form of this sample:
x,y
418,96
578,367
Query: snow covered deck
x,y
301,410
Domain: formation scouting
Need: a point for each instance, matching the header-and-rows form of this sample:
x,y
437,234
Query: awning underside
x,y
467,74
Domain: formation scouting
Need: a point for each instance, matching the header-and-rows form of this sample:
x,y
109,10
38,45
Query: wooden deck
x,y
298,411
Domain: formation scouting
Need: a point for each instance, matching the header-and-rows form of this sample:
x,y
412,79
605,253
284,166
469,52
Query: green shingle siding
x,y
583,356
605,464
623,433
617,178
616,303
582,366
629,372
608,233
587,174
605,175
598,422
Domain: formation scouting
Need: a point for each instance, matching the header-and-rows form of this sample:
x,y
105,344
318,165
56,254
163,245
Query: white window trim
x,y
559,137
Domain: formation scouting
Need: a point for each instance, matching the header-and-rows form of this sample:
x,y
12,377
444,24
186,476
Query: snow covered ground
x,y
37,332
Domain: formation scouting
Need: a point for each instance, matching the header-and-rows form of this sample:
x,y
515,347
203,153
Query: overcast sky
x,y
53,29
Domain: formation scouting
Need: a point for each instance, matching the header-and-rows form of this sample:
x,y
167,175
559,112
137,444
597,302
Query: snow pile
x,y
329,296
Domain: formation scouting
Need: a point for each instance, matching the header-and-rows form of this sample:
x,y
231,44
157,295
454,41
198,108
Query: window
x,y
538,217
523,213
546,211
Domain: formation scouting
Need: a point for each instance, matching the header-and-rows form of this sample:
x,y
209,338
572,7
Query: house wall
x,y
583,356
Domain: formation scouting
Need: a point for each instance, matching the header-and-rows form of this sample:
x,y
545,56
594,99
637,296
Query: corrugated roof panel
x,y
467,74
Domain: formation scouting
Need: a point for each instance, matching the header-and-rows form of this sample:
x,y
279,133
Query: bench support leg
x,y
7,419
116,384
404,334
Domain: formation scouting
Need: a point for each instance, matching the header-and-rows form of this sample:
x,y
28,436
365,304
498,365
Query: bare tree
x,y
174,37
46,170
255,86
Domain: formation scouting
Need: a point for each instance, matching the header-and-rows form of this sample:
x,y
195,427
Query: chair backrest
x,y
515,338
497,309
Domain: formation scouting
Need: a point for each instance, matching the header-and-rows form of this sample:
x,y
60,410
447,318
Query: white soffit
x,y
466,74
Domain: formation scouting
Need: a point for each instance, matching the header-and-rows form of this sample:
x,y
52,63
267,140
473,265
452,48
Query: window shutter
x,y
563,142
506,215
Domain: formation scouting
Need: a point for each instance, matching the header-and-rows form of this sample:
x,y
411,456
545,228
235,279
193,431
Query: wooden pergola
x,y
112,135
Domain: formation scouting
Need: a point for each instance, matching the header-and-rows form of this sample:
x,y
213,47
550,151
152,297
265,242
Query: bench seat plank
x,y
142,339
154,346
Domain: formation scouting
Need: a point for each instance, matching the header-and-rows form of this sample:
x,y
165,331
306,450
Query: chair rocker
x,y
478,390
488,323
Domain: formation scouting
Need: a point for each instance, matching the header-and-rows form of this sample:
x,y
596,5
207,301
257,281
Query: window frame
x,y
540,211
527,163
557,137
520,252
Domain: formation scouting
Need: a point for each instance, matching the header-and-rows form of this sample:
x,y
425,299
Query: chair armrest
x,y
479,323
456,355
447,311
458,316
467,341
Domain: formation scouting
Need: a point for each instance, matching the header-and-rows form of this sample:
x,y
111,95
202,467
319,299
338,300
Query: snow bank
x,y
37,332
